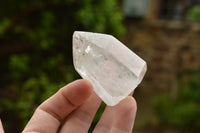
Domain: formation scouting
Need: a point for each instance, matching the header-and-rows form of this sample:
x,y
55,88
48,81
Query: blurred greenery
x,y
182,113
194,13
36,55
36,59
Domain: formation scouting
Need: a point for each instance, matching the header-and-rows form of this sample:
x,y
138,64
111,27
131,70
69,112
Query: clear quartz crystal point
x,y
113,69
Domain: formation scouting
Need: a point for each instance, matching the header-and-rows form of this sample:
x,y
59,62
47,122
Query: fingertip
x,y
127,104
131,101
125,115
77,91
85,84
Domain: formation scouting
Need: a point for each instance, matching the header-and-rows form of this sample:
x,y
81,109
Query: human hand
x,y
72,109
1,127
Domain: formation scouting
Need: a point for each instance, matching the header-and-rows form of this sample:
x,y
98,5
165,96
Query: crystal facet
x,y
112,68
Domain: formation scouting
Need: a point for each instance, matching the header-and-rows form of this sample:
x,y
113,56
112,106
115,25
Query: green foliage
x,y
36,59
100,20
18,65
182,113
194,13
97,116
4,24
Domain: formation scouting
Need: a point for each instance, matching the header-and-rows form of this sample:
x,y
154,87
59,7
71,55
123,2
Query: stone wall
x,y
171,49
172,52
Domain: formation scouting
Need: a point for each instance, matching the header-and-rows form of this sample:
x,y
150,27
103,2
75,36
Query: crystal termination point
x,y
113,69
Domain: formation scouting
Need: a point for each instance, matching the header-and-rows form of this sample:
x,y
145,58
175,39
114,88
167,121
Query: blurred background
x,y
36,56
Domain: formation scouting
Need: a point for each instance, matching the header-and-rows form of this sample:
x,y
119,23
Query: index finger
x,y
49,114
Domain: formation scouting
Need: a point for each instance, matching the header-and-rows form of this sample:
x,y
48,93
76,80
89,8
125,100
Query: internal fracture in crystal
x,y
113,69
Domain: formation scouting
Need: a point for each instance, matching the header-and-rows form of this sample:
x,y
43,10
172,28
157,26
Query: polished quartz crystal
x,y
113,69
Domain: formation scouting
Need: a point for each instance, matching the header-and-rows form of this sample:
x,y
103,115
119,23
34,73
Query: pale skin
x,y
74,106
1,127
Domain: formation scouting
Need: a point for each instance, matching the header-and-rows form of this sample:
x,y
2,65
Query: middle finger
x,y
80,120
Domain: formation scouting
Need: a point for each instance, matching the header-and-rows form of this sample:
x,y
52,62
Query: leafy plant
x,y
194,13
35,54
184,112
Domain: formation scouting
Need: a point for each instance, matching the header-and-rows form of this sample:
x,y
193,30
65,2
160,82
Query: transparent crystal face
x,y
112,81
